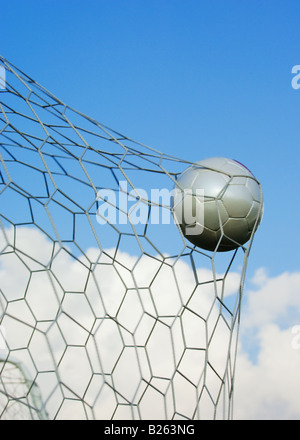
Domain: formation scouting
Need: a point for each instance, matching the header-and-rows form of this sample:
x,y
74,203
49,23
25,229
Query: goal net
x,y
106,310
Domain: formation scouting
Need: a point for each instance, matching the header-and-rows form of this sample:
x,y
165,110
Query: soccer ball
x,y
217,203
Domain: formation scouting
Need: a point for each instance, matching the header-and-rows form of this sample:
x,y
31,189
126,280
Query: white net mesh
x,y
120,320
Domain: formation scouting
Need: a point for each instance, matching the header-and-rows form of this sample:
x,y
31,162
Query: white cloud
x,y
77,301
274,298
267,384
270,387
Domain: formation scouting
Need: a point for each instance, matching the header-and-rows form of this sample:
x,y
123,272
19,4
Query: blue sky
x,y
193,79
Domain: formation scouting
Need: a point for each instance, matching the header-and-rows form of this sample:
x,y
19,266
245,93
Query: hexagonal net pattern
x,y
114,319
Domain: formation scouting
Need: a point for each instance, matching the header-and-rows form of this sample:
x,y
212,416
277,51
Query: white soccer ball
x,y
218,204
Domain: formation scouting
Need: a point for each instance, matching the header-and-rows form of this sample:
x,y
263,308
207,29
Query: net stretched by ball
x,y
108,310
